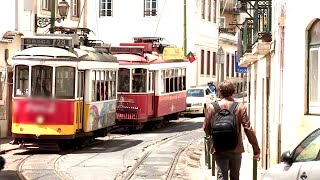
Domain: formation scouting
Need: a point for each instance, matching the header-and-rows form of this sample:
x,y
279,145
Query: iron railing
x,y
247,35
262,21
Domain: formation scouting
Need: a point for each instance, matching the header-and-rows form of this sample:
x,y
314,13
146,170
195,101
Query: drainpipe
x,y
53,16
16,26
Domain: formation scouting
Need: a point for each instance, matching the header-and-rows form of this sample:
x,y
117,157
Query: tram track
x,y
22,172
155,147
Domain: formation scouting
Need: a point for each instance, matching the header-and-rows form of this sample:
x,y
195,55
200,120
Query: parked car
x,y
198,99
302,163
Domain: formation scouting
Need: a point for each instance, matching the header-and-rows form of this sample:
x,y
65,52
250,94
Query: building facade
x,y
113,22
280,48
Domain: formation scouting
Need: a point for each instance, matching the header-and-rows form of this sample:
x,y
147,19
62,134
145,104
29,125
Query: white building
x,y
119,21
284,99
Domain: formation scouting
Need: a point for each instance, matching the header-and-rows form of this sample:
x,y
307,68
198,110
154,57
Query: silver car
x,y
302,163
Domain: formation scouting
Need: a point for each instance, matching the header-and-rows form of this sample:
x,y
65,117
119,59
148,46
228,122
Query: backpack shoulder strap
x,y
233,107
216,107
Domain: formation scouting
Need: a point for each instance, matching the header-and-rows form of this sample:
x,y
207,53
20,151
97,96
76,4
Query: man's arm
x,y
207,120
249,131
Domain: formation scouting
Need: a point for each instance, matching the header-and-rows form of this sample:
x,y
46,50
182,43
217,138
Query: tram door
x,y
80,100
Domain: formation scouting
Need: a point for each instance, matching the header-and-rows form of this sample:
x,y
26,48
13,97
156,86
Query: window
x,y
106,8
214,62
208,63
203,6
139,80
227,66
65,78
173,80
151,82
41,81
232,68
103,85
195,93
76,8
209,10
46,5
314,69
150,7
124,80
21,80
308,150
202,62
214,11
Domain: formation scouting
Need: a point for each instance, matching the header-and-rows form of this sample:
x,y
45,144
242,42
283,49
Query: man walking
x,y
229,159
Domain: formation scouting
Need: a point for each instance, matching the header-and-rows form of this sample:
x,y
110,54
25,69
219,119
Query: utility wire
x,y
164,4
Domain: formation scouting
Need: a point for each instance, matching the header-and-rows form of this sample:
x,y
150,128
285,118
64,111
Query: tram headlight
x,y
40,120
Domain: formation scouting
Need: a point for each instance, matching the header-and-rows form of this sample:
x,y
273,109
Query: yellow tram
x,y
63,92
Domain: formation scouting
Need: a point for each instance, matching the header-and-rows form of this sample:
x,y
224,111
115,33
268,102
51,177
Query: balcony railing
x,y
256,28
262,21
227,31
247,35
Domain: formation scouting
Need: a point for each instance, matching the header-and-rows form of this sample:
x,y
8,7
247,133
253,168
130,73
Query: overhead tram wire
x,y
164,4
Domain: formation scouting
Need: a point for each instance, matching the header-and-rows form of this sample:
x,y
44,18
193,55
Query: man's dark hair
x,y
226,88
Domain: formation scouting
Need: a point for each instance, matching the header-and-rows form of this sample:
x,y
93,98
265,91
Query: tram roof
x,y
148,59
85,54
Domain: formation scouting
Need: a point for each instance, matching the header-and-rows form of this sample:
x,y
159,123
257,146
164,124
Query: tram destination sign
x,y
127,50
47,41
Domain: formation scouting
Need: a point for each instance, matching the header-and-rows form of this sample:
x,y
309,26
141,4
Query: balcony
x,y
228,7
256,34
227,31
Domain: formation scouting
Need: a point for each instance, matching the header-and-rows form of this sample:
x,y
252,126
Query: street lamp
x,y
63,9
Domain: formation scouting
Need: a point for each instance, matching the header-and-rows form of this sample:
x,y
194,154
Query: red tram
x,y
151,82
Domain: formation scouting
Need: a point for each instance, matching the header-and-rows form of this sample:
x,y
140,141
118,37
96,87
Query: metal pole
x,y
218,80
53,16
254,168
185,27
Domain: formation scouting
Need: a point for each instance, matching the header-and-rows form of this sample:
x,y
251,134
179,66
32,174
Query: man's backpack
x,y
224,128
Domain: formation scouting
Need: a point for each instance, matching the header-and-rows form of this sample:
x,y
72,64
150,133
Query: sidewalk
x,y
246,171
5,145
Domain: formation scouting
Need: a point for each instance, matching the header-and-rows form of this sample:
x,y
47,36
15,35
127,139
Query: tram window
x,y
163,82
151,83
124,80
106,85
41,81
65,78
139,80
94,87
98,88
184,79
113,84
21,80
103,95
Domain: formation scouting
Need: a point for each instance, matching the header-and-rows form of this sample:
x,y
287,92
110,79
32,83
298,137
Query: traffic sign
x,y
220,56
241,70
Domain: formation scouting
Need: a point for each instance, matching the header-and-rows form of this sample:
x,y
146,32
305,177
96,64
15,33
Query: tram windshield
x,y
138,80
124,80
41,81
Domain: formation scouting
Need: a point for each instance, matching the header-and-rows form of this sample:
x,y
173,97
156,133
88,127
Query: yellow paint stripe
x,y
86,118
42,129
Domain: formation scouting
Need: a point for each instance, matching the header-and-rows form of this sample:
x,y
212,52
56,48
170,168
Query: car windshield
x,y
195,93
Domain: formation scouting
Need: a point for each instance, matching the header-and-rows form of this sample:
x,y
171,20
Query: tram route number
x,y
47,42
